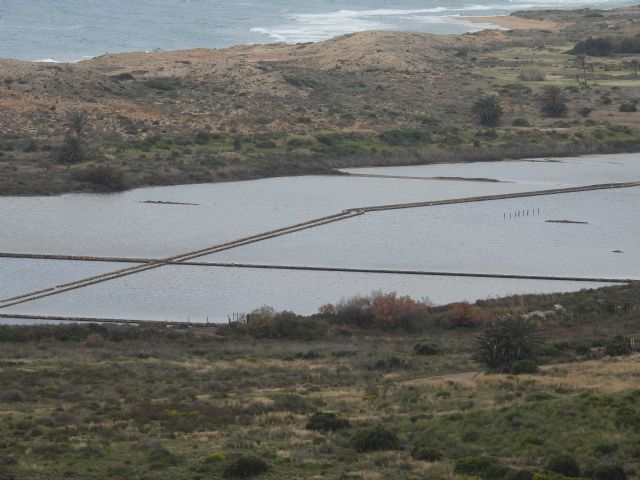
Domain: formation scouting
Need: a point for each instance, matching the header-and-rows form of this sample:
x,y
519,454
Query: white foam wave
x,y
46,60
313,27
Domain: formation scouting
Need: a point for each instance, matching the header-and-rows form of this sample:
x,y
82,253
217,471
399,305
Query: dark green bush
x,y
425,349
404,137
326,422
619,345
162,84
375,438
605,46
426,454
519,475
245,466
291,402
520,122
484,467
160,457
564,465
122,77
278,325
628,108
606,448
12,396
110,178
523,367
608,472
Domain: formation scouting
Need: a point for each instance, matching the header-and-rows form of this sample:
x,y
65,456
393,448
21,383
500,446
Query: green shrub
x,y
290,402
159,457
628,107
375,438
484,467
122,77
608,472
605,46
271,324
403,137
245,466
524,367
110,178
12,396
519,475
162,84
425,349
606,448
326,422
520,122
564,465
426,454
617,346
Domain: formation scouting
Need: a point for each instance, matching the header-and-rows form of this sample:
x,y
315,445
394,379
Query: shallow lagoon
x,y
473,237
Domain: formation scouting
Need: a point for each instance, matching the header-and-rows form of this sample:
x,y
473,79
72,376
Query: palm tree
x,y
554,103
74,147
77,122
488,110
506,341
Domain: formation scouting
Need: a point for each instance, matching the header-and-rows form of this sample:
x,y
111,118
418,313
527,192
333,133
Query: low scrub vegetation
x,y
605,46
216,402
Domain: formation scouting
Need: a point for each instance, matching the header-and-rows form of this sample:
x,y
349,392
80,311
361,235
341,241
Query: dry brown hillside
x,y
367,98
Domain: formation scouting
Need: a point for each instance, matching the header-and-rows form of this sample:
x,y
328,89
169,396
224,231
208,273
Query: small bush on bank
x,y
564,465
245,466
326,422
426,454
375,438
111,179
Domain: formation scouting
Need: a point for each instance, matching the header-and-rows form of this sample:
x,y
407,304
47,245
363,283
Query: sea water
x,y
72,30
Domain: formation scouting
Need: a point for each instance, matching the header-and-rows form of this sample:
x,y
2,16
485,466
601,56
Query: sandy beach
x,y
516,23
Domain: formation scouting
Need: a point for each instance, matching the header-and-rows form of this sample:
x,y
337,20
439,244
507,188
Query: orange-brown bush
x,y
95,340
381,310
464,314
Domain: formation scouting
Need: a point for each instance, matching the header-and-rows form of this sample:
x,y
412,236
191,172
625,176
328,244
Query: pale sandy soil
x,y
516,23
